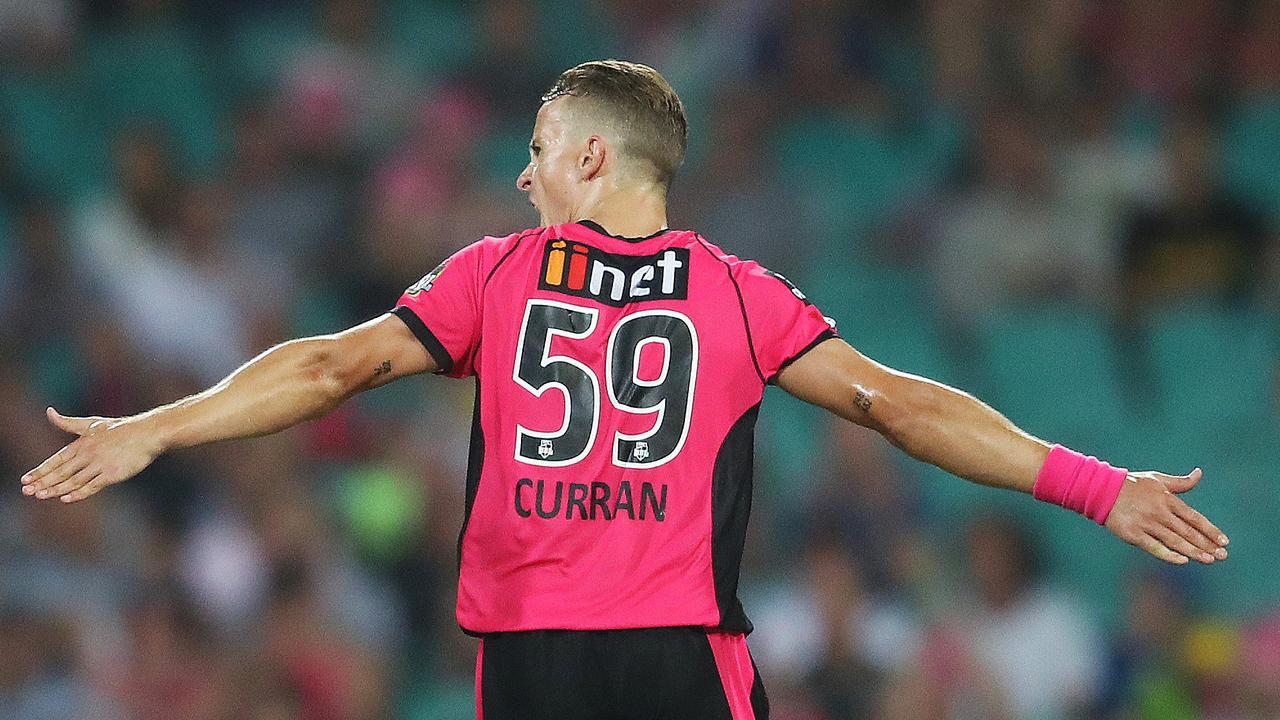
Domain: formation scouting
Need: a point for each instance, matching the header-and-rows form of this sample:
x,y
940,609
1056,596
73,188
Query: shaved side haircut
x,y
636,101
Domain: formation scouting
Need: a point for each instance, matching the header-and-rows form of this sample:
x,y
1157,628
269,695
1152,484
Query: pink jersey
x,y
618,382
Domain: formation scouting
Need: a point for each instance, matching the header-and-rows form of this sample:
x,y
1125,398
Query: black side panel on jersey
x,y
730,508
475,464
759,699
475,455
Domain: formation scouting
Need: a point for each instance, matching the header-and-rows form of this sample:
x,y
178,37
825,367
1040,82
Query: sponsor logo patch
x,y
790,286
427,280
580,270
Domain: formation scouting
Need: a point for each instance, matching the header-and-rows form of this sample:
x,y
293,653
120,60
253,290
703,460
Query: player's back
x,y
618,384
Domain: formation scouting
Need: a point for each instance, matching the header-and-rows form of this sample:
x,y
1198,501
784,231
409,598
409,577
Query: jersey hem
x,y
444,361
730,627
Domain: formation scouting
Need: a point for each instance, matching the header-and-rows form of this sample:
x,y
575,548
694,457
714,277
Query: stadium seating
x,y
866,178
429,38
1054,370
504,153
848,174
155,73
885,314
260,42
1251,153
1214,367
57,145
6,238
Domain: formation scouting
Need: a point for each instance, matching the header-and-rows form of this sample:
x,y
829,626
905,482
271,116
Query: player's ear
x,y
591,161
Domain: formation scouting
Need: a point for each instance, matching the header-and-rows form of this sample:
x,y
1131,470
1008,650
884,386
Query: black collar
x,y
595,227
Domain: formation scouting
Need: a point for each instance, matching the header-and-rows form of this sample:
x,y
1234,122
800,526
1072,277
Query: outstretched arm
x,y
292,382
958,433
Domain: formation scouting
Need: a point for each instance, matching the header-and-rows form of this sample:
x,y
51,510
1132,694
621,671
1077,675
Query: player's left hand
x,y
1148,514
108,451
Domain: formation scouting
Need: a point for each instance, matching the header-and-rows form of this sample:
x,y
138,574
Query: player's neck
x,y
628,212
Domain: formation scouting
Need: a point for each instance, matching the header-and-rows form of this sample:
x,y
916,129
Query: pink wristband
x,y
1078,482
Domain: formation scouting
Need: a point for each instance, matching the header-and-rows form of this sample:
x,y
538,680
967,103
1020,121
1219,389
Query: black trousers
x,y
678,673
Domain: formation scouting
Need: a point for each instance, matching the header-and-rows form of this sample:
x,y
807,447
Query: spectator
x,y
1260,669
1011,235
1144,670
168,671
1014,617
129,245
827,633
42,677
1198,241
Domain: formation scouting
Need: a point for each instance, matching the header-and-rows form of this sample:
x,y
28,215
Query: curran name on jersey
x,y
594,501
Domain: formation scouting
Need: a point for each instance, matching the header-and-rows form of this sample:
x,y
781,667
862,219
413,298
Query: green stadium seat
x,y
1053,371
789,439
575,31
438,697
885,314
846,173
55,372
1251,153
503,154
261,42
853,175
156,73
1239,495
430,38
1140,123
57,145
8,242
319,309
1214,367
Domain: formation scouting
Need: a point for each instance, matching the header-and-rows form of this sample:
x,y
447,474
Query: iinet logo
x,y
576,269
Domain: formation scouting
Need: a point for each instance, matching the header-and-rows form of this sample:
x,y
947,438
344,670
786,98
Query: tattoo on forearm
x,y
382,369
862,400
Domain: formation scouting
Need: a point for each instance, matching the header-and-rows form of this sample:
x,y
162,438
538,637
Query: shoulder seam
x,y
506,255
480,301
742,306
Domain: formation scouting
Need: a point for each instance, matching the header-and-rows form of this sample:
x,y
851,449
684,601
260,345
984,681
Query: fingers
x,y
76,471
74,482
52,463
90,488
1183,483
1197,538
1148,515
1160,550
1179,544
1200,522
39,487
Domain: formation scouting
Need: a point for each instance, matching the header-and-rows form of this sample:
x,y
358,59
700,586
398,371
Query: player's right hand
x,y
107,451
1149,514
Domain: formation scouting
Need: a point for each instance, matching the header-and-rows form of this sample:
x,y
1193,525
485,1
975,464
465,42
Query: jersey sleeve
x,y
443,310
783,325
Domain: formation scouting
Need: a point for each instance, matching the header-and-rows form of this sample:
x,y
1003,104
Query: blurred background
x,y
1069,208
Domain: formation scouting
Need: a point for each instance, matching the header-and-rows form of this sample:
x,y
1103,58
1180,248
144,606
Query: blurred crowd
x,y
1026,198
